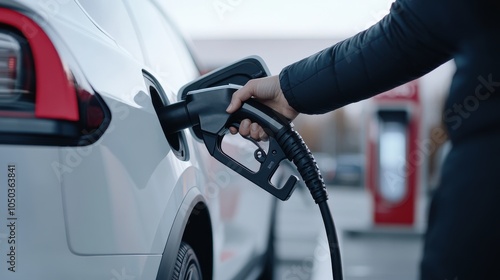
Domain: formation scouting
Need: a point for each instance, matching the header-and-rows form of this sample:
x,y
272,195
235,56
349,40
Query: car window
x,y
164,51
116,23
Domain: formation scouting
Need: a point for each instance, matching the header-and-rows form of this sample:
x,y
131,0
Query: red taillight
x,y
55,96
92,114
16,79
10,51
12,67
25,54
12,62
35,87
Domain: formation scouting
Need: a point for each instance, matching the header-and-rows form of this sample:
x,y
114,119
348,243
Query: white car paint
x,y
106,210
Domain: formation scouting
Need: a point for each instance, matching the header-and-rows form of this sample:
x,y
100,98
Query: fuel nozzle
x,y
206,109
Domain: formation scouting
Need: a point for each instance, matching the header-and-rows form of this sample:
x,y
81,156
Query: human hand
x,y
267,91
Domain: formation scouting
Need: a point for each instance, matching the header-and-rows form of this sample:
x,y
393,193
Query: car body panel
x,y
39,211
106,209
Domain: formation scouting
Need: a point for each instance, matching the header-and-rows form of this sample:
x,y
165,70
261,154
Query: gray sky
x,y
275,18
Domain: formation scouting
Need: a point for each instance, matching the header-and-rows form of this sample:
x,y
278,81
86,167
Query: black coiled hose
x,y
297,151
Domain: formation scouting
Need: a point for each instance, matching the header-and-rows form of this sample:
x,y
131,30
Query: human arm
x,y
408,43
398,49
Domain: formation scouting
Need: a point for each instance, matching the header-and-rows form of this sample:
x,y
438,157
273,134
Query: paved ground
x,y
376,256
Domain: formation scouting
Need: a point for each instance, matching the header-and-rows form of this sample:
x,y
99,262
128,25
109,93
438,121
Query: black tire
x,y
187,266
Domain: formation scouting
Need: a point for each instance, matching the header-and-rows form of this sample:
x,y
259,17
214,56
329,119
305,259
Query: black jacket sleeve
x,y
409,42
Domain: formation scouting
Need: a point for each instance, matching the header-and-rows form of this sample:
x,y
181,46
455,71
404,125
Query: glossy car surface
x,y
90,186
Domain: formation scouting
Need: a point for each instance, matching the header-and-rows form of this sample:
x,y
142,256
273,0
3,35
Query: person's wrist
x,y
286,110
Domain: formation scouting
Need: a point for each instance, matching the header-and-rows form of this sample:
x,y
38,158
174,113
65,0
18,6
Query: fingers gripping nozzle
x,y
207,109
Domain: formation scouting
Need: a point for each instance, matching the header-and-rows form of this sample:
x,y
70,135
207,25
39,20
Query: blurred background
x,y
343,141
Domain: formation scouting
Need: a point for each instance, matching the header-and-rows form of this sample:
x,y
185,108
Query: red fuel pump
x,y
394,163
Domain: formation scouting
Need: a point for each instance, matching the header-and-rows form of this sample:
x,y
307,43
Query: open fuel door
x,y
237,73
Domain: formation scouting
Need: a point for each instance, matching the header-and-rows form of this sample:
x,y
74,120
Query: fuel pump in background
x,y
394,164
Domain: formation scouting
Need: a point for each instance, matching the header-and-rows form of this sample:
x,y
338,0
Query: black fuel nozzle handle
x,y
274,125
207,109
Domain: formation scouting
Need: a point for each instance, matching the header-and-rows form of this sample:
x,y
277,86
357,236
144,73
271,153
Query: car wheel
x,y
187,266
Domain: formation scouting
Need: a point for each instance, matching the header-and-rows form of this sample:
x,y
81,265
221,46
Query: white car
x,y
90,186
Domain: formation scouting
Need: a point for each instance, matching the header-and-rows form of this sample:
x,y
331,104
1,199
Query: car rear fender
x,y
192,205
